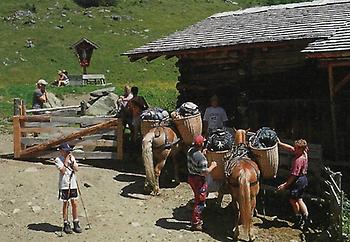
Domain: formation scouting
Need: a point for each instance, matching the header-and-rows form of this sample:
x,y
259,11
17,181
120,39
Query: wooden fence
x,y
37,136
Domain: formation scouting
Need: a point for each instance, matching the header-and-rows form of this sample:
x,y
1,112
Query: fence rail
x,y
37,136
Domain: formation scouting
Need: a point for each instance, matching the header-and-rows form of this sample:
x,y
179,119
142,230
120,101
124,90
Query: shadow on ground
x,y
44,227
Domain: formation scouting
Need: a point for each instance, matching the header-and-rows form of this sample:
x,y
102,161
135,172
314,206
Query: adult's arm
x,y
290,180
286,146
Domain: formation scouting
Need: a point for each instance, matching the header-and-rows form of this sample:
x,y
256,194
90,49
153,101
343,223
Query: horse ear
x,y
247,130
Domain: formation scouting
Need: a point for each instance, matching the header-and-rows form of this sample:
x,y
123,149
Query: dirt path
x,y
117,209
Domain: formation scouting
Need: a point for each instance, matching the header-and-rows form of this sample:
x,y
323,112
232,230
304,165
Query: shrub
x,y
95,3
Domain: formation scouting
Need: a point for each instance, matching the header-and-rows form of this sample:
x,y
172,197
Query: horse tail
x,y
147,156
244,202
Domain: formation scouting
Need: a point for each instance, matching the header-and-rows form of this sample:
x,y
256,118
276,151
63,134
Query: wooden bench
x,y
97,79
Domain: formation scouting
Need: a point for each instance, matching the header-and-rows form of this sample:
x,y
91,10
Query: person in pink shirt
x,y
297,181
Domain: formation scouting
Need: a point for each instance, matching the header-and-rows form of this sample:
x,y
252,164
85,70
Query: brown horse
x,y
243,182
158,144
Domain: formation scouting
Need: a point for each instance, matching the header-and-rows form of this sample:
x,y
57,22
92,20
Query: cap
x,y
42,82
65,147
198,140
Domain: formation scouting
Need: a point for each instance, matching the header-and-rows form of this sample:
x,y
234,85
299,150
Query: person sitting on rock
x,y
215,117
63,79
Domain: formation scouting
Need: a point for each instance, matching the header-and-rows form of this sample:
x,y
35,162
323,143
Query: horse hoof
x,y
156,193
235,234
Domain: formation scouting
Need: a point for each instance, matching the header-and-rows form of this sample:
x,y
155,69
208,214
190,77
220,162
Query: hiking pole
x,y
82,203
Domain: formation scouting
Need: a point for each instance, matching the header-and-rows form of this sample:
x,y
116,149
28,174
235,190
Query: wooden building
x,y
283,66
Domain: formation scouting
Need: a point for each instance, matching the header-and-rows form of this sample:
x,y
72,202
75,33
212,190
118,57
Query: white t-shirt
x,y
64,179
215,116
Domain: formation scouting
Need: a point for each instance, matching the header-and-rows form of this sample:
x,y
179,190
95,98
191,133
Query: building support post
x,y
333,109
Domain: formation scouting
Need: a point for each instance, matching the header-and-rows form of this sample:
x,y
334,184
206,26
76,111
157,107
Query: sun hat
x,y
42,82
65,147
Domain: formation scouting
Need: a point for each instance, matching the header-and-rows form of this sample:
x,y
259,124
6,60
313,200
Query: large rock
x,y
102,92
104,105
53,101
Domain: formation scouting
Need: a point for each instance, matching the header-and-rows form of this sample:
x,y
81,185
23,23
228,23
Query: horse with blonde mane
x,y
243,183
157,145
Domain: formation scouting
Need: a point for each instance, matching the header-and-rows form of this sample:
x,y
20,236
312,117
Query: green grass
x,y
148,20
151,20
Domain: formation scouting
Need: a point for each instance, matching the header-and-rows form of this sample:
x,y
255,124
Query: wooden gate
x,y
38,136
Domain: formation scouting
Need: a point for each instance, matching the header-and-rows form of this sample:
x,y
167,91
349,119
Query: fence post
x,y
120,139
17,104
17,146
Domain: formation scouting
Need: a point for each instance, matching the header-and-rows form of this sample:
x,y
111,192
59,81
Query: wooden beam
x,y
120,140
86,155
150,58
52,109
167,57
134,58
85,131
320,55
333,110
17,145
342,83
203,50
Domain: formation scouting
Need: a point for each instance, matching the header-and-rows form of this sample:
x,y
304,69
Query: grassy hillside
x,y
60,23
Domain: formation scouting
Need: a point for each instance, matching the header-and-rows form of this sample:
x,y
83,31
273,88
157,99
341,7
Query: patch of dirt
x,y
116,206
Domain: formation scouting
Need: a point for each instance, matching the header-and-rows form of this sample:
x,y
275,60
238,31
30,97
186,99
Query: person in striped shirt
x,y
198,169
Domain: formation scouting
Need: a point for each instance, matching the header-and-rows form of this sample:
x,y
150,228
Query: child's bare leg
x,y
65,211
295,205
302,207
74,209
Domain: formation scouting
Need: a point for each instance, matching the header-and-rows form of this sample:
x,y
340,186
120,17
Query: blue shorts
x,y
66,194
296,191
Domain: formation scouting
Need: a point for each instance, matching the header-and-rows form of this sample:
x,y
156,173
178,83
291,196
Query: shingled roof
x,y
338,42
311,20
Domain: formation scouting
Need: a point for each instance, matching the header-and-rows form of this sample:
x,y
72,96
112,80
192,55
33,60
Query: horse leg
x,y
235,219
221,194
157,171
176,165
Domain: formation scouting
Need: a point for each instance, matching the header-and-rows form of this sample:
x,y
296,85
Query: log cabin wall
x,y
269,86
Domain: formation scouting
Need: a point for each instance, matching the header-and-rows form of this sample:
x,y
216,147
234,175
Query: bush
x,y
95,3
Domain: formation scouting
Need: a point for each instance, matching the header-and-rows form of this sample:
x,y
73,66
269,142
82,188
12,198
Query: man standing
x,y
197,165
214,116
39,95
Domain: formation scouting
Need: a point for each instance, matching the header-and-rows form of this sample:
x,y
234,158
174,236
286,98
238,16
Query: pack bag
x,y
220,140
155,114
264,138
188,109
